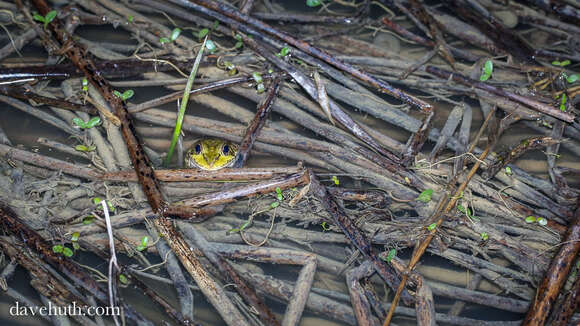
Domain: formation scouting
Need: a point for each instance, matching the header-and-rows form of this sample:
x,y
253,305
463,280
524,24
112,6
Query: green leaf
x,y
57,249
76,246
210,45
141,248
238,44
94,121
202,33
79,123
487,70
335,179
38,18
50,16
425,196
484,236
563,103
257,77
285,50
88,220
542,221
260,88
175,33
67,252
530,219
324,226
75,236
164,40
564,63
313,3
556,63
118,94
238,37
275,204
508,170
127,94
97,200
432,226
130,19
392,253
144,241
573,78
123,279
216,23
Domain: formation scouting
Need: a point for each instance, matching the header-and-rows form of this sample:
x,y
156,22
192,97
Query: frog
x,y
211,154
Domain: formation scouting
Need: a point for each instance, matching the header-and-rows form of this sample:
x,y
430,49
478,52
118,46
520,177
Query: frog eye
x,y
226,149
197,149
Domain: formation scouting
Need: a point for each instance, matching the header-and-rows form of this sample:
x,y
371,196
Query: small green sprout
x,y
563,103
508,170
487,70
88,220
97,201
432,226
210,46
275,204
425,196
324,226
392,253
231,68
407,180
123,279
164,40
175,34
279,194
283,52
484,236
68,252
85,85
240,229
542,221
573,78
75,236
57,249
335,179
270,71
239,42
85,149
257,77
50,16
202,33
260,88
80,123
143,245
313,3
531,219
125,95
130,18
561,63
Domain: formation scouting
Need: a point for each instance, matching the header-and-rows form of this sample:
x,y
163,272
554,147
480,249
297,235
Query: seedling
x,y
279,194
324,226
88,220
85,85
202,33
68,252
508,170
57,249
392,253
283,52
275,204
335,179
85,149
50,16
80,123
563,103
143,245
259,82
484,236
97,201
125,95
123,279
210,46
425,196
531,219
313,3
561,63
239,42
432,226
487,70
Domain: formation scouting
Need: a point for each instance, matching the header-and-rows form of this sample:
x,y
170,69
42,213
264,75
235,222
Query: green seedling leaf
x,y
68,252
275,204
484,236
85,84
313,3
38,17
542,221
127,94
130,19
573,78
97,200
175,33
123,279
335,179
284,51
238,44
432,226
75,236
118,94
425,196
88,220
50,16
508,170
144,241
260,88
202,33
164,40
57,249
556,63
563,103
76,245
257,77
94,121
141,248
79,123
487,70
564,63
279,194
530,219
210,45
392,253
324,226
83,148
